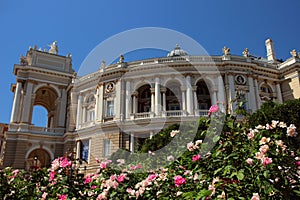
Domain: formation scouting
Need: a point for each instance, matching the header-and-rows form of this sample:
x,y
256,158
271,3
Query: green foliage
x,y
236,163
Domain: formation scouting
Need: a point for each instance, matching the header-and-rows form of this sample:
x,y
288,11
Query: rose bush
x,y
245,163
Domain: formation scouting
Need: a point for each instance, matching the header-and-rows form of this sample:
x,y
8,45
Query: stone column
x,y
257,93
134,102
152,99
16,104
221,95
27,107
214,96
157,97
63,108
78,150
195,99
183,103
132,142
252,100
84,114
189,95
163,90
99,106
79,111
278,93
117,109
231,92
128,100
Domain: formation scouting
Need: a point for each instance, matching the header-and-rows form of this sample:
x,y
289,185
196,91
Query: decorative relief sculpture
x,y
110,87
226,51
239,79
53,48
246,52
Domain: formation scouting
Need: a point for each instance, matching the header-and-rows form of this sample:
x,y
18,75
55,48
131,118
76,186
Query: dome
x,y
177,51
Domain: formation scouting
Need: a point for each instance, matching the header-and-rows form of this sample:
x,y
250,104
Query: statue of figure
x,y
298,54
246,52
294,53
23,61
121,60
226,51
102,66
53,48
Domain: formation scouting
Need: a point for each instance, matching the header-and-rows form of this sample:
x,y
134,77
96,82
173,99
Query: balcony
x,y
36,129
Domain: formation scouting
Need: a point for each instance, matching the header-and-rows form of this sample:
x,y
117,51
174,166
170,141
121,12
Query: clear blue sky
x,y
79,26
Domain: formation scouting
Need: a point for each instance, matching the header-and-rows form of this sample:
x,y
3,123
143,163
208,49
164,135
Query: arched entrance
x,y
144,99
47,97
38,158
203,97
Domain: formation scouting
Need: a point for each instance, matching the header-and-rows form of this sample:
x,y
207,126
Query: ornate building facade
x,y
94,115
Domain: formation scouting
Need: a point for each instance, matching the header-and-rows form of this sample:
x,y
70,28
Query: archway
x,y
38,158
144,99
39,116
173,96
203,96
47,97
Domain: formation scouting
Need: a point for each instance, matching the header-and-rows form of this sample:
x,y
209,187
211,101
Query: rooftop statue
x,y
53,48
121,60
246,52
226,51
294,53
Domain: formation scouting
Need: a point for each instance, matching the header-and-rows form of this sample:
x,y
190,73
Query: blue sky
x,y
80,26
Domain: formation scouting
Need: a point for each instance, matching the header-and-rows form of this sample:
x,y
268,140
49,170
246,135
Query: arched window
x,y
90,108
40,117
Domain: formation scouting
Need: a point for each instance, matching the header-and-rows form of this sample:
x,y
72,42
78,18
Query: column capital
x,y
135,93
183,88
163,89
195,88
152,90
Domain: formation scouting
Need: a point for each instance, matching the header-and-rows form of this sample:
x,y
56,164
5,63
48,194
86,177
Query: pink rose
x,y
213,109
121,178
297,163
93,187
87,180
251,134
62,197
249,161
264,149
255,196
152,177
291,131
196,157
52,175
65,163
179,180
190,146
266,161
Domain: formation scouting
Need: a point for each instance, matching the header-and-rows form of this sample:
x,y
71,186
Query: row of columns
x,y
188,94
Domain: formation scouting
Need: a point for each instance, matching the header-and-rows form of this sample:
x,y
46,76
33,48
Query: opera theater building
x,y
122,103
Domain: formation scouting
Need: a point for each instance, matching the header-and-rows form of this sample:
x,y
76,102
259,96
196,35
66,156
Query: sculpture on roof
x,y
226,51
121,60
23,61
294,53
246,52
53,48
102,66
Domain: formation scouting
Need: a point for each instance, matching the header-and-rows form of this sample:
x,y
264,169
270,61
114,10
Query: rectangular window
x,y
106,149
110,109
85,148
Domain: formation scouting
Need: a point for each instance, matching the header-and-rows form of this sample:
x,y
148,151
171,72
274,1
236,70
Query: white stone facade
x,y
94,115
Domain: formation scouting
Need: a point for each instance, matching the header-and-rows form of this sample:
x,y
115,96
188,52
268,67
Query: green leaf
x,y
216,138
240,175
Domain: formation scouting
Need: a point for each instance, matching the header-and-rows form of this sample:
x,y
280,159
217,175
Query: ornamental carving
x,y
240,79
109,87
